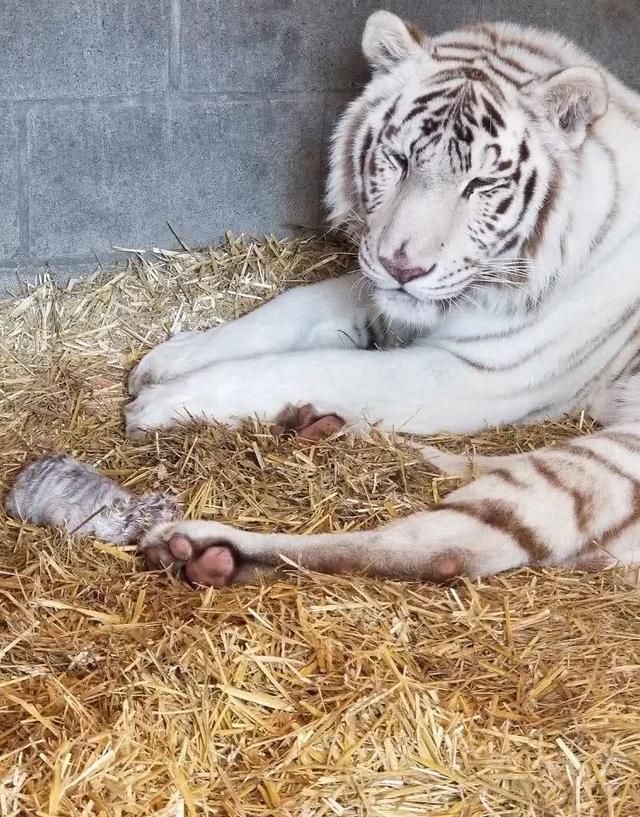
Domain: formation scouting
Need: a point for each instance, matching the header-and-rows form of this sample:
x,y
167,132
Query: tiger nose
x,y
400,269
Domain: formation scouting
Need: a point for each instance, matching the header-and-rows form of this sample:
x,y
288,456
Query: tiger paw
x,y
205,563
307,423
173,358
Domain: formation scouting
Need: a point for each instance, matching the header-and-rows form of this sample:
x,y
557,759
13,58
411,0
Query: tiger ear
x,y
387,40
574,99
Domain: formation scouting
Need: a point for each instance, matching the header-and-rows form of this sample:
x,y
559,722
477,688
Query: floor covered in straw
x,y
125,693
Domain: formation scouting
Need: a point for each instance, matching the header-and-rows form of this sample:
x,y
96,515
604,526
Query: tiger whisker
x,y
515,288
379,313
525,261
506,283
500,275
512,274
465,296
502,264
490,277
362,286
505,270
526,270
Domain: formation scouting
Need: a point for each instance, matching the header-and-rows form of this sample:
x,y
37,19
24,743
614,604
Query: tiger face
x,y
447,167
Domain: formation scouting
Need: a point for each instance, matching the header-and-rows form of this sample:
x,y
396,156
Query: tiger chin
x,y
490,178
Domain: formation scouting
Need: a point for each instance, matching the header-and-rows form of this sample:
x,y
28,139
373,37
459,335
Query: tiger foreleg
x,y
416,389
329,314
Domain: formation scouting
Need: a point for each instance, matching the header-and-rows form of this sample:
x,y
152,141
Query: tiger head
x,y
449,165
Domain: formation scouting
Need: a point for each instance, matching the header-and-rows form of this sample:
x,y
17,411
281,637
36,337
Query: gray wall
x,y
118,116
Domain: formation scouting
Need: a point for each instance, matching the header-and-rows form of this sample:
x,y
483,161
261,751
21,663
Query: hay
x,y
124,693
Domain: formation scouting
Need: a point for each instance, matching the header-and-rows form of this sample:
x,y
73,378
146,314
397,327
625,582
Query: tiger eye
x,y
476,184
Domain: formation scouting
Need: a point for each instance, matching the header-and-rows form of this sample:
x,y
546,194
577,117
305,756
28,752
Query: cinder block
x,y
116,174
72,49
291,45
607,29
9,231
16,276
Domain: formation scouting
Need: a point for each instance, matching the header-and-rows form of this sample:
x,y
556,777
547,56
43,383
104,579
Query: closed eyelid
x,y
395,156
478,183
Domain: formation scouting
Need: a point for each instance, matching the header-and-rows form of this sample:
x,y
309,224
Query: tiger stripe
x,y
502,517
491,178
582,502
533,296
509,478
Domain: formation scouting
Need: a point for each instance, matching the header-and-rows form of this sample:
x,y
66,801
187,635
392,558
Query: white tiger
x,y
492,179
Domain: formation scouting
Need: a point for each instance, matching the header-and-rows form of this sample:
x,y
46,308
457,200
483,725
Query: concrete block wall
x,y
120,116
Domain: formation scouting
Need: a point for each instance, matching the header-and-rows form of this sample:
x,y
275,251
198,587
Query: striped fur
x,y
491,178
498,167
575,505
59,491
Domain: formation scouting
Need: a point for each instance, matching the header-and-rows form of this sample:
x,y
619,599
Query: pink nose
x,y
400,269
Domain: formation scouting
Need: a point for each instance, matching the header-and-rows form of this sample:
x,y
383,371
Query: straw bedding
x,y
125,693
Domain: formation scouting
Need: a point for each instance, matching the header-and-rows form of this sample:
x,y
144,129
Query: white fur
x,y
385,42
562,337
298,347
